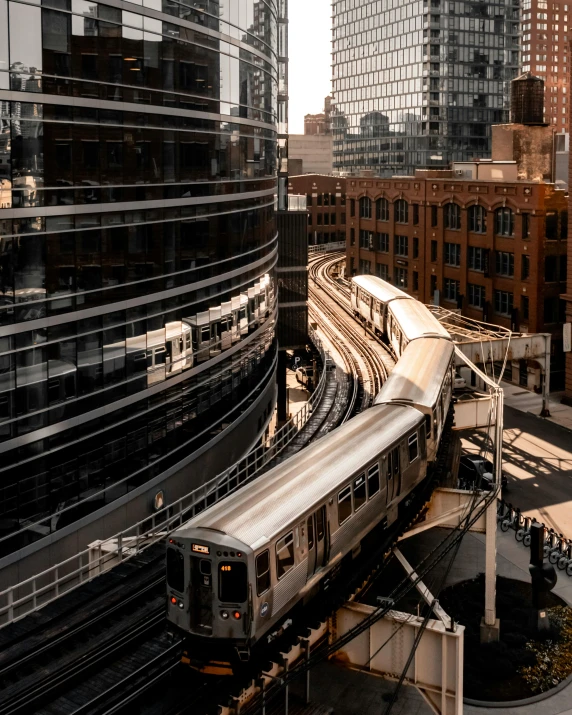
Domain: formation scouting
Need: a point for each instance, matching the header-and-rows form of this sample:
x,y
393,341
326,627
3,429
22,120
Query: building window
x,y
524,307
383,242
477,219
366,239
525,267
382,210
433,286
551,269
382,271
526,225
319,200
401,246
476,295
352,208
476,258
364,267
416,214
401,277
503,302
332,199
504,263
564,224
326,219
309,219
415,281
554,310
504,222
415,247
433,251
308,199
332,219
319,217
453,216
343,222
352,237
451,289
326,199
551,223
365,207
453,254
434,216
401,211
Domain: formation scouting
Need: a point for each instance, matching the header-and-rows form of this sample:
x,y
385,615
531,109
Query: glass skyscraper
x,y
419,84
138,174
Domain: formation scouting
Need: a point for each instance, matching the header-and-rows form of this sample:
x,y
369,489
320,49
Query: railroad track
x,y
365,366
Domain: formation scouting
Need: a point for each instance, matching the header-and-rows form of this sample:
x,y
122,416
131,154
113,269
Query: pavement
x,y
526,401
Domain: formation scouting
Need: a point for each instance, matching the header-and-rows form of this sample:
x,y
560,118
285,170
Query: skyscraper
x,y
138,169
419,84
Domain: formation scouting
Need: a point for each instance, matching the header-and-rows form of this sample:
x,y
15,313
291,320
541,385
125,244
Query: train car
x,y
239,567
370,297
169,351
423,378
409,320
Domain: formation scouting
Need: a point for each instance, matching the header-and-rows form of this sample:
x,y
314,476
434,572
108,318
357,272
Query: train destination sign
x,y
200,549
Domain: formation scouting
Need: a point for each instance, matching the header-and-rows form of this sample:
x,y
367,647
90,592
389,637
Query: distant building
x,y
319,123
421,84
545,52
325,205
315,151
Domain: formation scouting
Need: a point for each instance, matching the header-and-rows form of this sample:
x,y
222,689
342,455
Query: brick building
x,y
545,38
474,237
325,203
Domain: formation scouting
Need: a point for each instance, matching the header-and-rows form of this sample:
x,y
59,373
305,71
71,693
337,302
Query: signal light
x,y
237,615
173,600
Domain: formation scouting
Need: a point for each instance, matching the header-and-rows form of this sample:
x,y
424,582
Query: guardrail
x,y
557,548
326,247
35,592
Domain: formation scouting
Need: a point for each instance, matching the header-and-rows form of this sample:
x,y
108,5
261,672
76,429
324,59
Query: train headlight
x,y
181,604
236,615
224,615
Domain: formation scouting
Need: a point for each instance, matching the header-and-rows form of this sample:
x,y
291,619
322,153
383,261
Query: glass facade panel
x,y
137,243
418,84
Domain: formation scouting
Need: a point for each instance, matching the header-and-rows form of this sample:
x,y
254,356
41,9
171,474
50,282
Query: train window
x,y
359,492
284,555
413,447
344,504
262,572
321,523
393,463
176,570
373,480
205,333
396,462
428,425
232,582
310,533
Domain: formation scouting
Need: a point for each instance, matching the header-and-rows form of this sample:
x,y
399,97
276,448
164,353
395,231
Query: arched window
x,y
365,207
401,211
453,216
478,219
382,210
504,222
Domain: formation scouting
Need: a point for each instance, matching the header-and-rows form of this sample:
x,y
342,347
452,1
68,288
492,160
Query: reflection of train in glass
x,y
161,353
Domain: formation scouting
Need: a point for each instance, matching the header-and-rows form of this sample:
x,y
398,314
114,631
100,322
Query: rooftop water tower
x,y
527,100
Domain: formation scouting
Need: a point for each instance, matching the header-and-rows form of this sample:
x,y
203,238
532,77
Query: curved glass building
x,y
137,249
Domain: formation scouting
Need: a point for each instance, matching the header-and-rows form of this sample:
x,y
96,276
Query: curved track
x,y
367,362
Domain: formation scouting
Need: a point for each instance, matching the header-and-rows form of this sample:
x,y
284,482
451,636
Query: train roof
x,y
415,321
380,289
262,510
418,375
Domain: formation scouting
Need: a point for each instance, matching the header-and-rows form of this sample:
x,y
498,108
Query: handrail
x,y
36,591
326,247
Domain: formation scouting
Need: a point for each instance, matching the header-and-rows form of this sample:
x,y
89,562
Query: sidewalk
x,y
526,401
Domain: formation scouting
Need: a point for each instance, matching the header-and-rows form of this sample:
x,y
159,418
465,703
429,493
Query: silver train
x,y
235,570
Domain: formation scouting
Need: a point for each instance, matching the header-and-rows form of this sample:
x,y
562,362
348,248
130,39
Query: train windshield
x,y
176,570
232,582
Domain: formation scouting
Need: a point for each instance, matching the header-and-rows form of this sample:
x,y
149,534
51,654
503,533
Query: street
x,y
537,458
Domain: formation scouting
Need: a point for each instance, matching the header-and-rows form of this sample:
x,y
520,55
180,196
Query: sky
x,y
309,47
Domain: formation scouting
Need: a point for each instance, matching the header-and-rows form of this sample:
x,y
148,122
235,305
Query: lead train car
x,y
234,570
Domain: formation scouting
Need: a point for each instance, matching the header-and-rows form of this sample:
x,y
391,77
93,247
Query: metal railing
x,y
327,247
35,592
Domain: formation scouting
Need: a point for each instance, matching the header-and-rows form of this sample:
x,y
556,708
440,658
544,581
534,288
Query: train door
x,y
201,596
215,343
226,326
393,474
317,535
